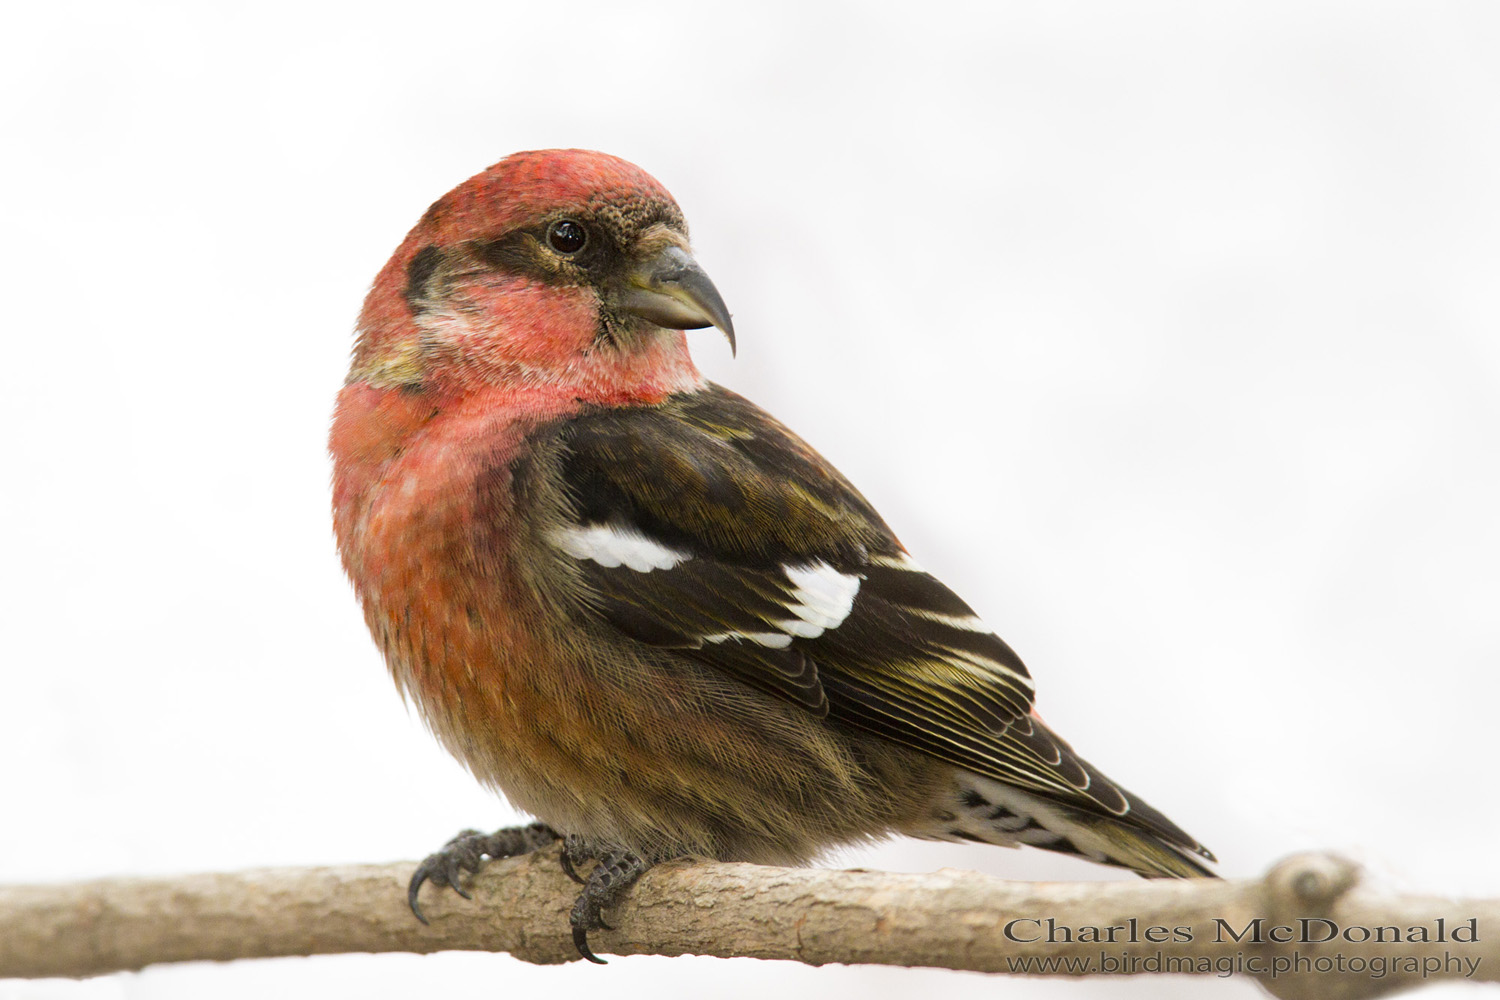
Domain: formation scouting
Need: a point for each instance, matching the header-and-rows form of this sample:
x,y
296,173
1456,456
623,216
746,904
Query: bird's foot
x,y
611,878
467,853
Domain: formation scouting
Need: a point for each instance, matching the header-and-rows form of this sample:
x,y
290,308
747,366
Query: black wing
x,y
706,526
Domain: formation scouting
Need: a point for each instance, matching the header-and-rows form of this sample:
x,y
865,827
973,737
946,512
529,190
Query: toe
x,y
411,894
581,942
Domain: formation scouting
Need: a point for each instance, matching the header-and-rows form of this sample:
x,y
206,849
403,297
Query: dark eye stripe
x,y
419,271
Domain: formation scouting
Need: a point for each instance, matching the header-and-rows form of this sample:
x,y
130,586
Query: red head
x,y
557,269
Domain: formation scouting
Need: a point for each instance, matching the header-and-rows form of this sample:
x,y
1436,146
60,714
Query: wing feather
x,y
769,565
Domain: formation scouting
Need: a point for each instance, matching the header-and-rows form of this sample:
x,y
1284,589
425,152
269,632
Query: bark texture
x,y
948,919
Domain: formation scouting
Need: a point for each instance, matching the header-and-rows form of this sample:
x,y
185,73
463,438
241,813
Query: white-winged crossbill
x,y
638,605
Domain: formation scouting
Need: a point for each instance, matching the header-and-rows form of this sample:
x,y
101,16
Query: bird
x,y
637,605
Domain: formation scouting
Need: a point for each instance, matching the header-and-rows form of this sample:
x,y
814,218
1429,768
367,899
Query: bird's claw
x,y
467,852
616,872
581,942
575,852
610,879
584,918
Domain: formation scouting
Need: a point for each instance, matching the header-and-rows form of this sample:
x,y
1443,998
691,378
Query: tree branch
x,y
948,919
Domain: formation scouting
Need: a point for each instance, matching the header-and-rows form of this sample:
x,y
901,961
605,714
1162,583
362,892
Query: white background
x,y
1166,333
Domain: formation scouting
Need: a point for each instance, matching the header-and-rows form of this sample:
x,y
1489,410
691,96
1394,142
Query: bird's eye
x,y
567,236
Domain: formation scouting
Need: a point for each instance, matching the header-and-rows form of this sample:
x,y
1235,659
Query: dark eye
x,y
566,236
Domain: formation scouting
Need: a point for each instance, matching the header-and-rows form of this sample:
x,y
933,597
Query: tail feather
x,y
993,812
